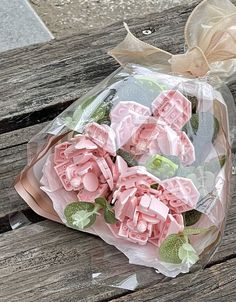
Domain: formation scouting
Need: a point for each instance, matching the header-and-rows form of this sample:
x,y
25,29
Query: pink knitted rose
x,y
149,210
84,163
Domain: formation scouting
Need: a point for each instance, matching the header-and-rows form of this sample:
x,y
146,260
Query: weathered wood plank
x,y
46,261
13,158
60,68
12,161
49,262
20,136
60,59
39,82
217,283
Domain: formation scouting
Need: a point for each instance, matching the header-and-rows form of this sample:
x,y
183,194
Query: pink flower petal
x,y
59,153
90,182
173,108
123,109
180,194
105,171
103,136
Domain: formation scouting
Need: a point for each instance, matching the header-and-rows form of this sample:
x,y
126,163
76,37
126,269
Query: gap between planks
x,y
41,75
37,83
49,262
214,284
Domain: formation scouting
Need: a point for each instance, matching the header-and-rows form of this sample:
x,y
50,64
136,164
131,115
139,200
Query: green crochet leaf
x,y
169,249
80,215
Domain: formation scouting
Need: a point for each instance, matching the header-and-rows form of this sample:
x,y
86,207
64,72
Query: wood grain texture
x,y
20,136
13,158
38,82
12,162
214,284
49,262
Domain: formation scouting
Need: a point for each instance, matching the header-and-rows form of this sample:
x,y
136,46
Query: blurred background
x,y
27,22
65,17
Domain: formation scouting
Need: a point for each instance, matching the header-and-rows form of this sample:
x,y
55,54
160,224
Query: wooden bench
x,y
45,261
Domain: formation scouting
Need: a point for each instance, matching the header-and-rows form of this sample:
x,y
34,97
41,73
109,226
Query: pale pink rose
x,y
126,118
173,108
84,163
52,186
144,135
154,137
147,214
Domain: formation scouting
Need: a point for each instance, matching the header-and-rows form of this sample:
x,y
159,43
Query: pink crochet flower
x,y
84,163
149,210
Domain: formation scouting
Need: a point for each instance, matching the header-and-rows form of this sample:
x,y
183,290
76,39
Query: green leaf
x,y
215,164
71,122
80,215
191,217
80,109
161,166
195,231
169,249
90,110
101,114
204,125
83,219
188,254
150,83
109,216
222,160
194,102
155,186
101,201
128,157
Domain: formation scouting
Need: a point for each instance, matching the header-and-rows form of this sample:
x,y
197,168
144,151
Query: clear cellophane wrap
x,y
144,159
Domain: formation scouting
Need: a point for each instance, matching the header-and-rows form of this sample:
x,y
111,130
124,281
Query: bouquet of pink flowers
x,y
143,160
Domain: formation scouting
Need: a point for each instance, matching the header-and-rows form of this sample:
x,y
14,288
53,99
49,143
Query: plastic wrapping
x,y
18,220
144,162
